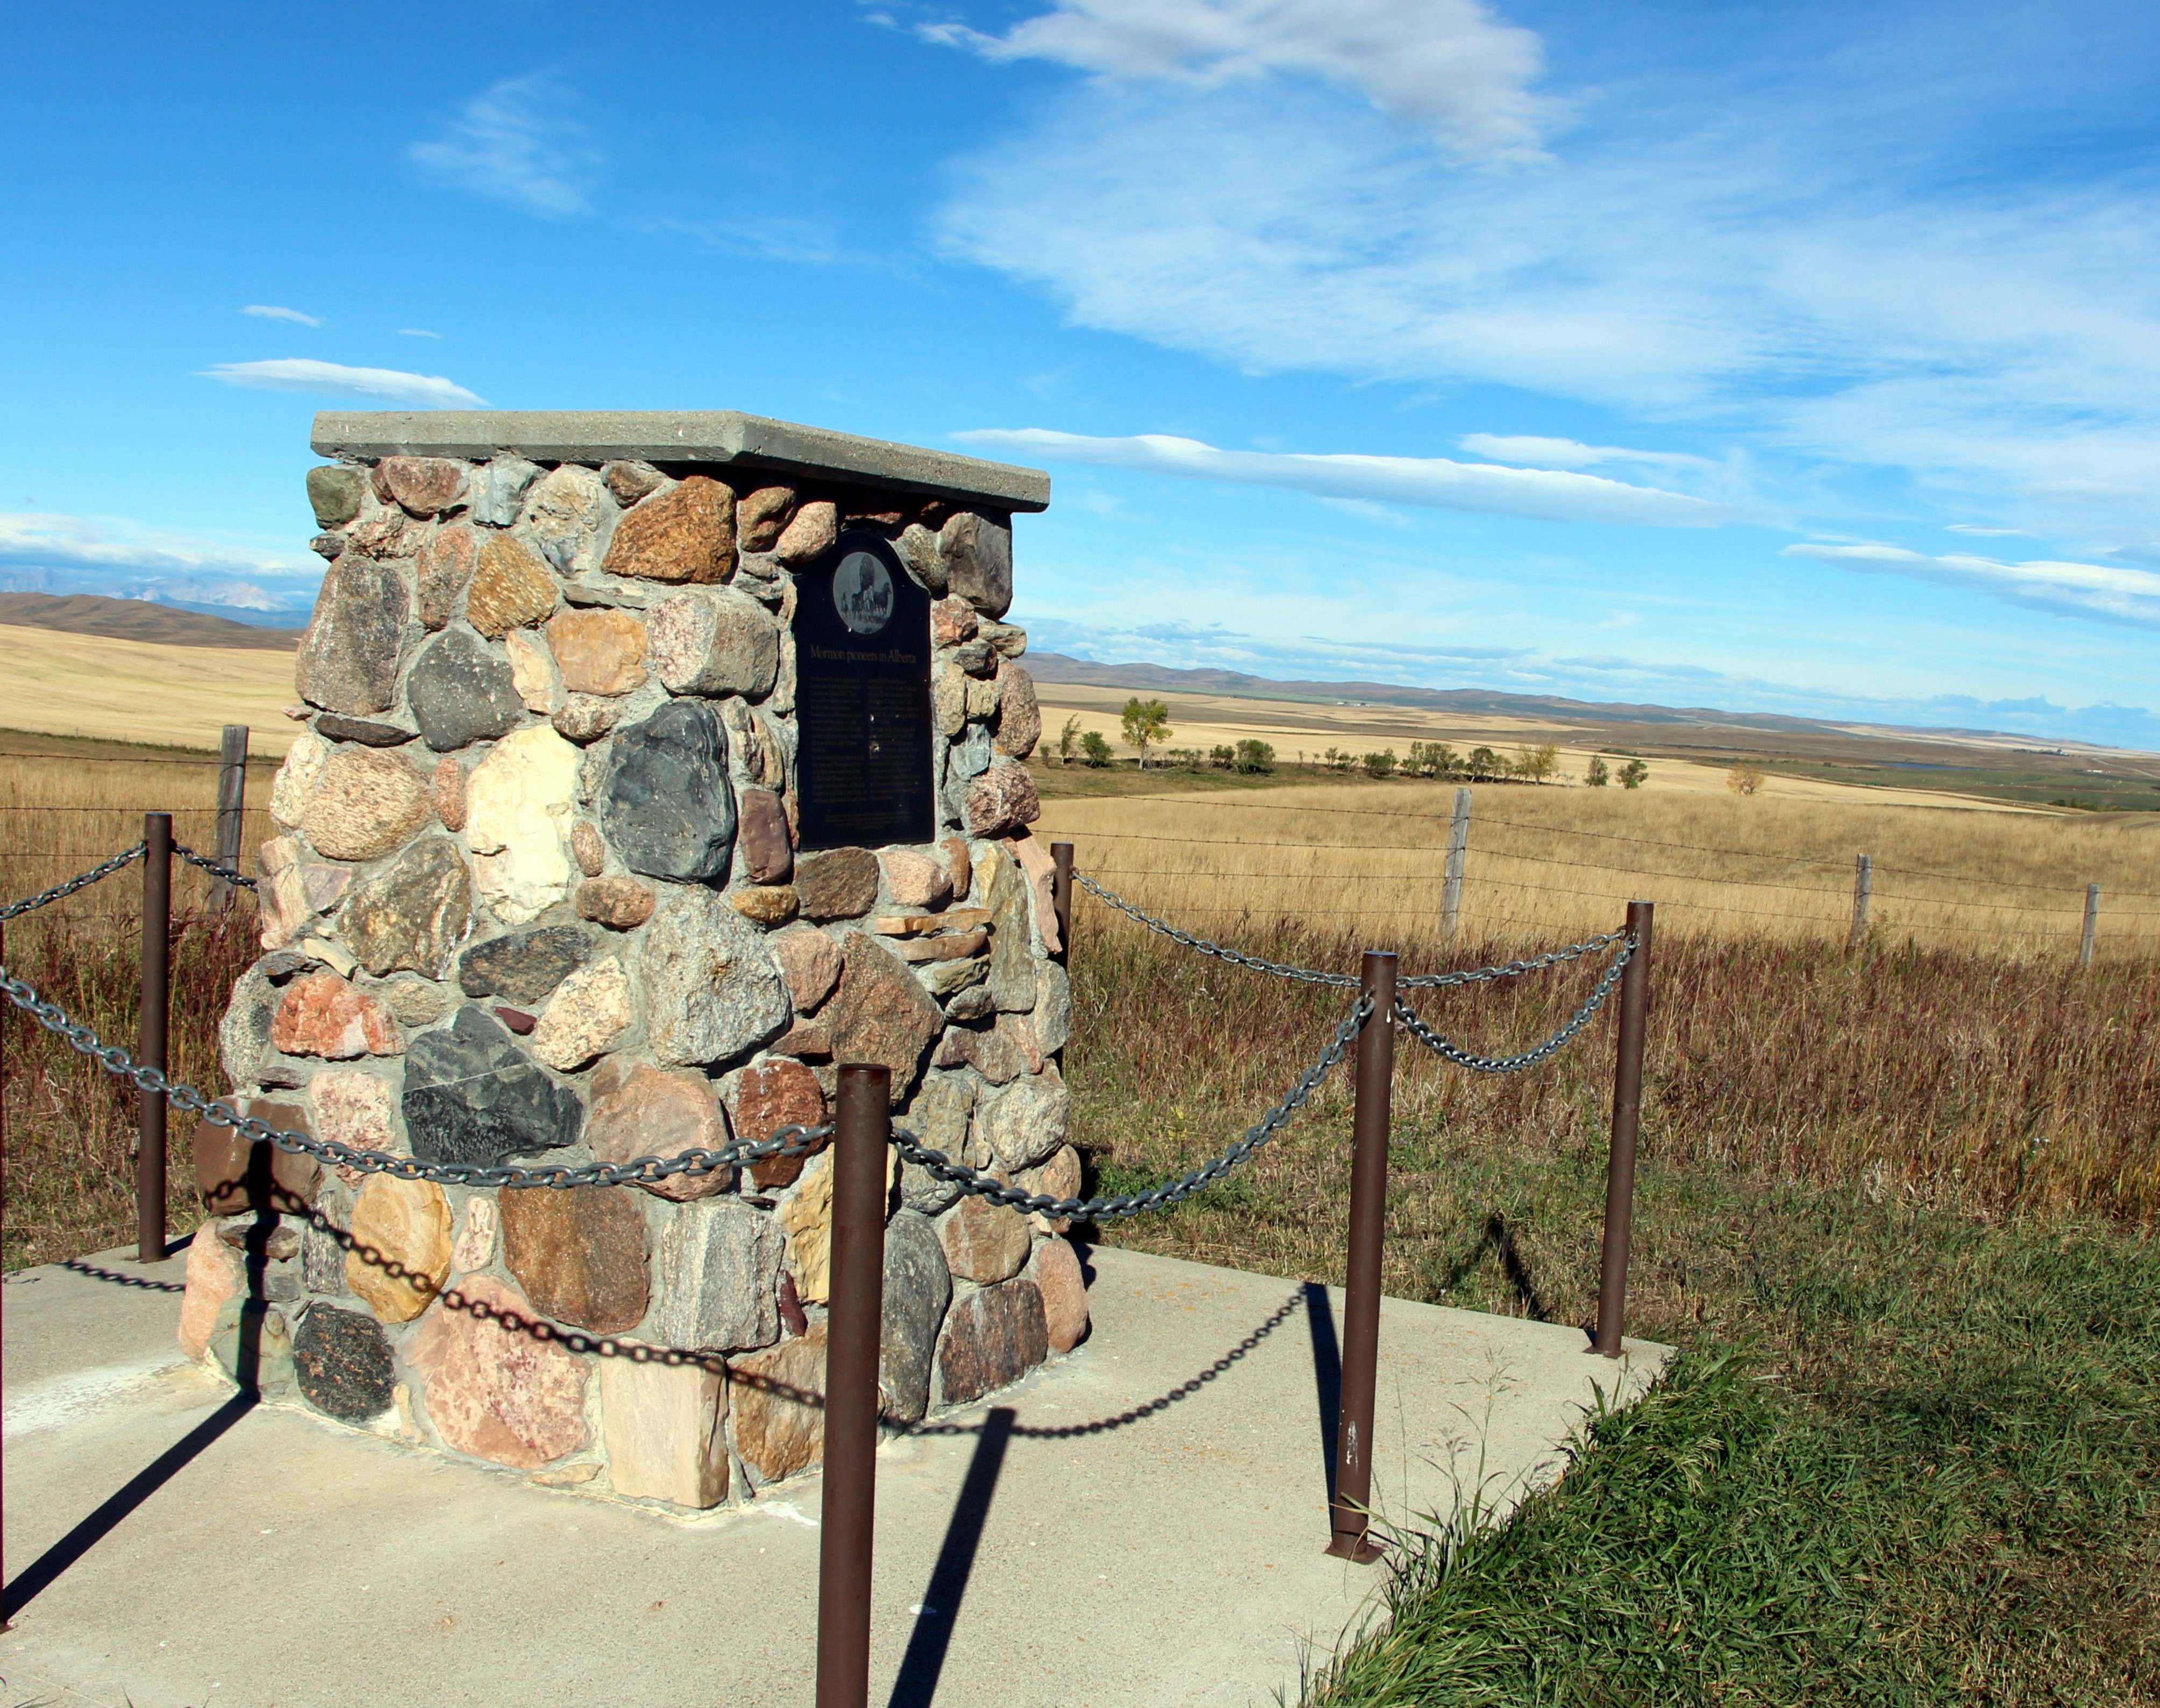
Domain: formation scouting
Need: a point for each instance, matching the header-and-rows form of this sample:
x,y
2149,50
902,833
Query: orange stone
x,y
494,1388
686,534
323,1015
598,651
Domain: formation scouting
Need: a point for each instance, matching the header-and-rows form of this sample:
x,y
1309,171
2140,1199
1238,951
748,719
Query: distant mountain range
x,y
138,619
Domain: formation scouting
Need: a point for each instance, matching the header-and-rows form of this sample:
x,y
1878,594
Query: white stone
x,y
589,1012
519,807
296,779
569,518
532,671
476,1243
664,1428
711,986
715,1271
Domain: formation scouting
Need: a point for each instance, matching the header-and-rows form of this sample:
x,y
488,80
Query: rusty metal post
x,y
1626,1108
231,809
856,1316
1060,898
1350,1520
151,1047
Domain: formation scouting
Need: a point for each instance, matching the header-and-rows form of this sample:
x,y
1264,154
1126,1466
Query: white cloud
x,y
1991,533
416,332
2109,592
511,144
1434,482
330,379
50,553
1569,453
1448,66
269,311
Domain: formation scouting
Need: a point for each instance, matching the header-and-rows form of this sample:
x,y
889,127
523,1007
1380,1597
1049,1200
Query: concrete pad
x,y
1141,1523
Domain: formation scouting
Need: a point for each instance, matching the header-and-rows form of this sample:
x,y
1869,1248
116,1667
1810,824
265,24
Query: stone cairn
x,y
535,896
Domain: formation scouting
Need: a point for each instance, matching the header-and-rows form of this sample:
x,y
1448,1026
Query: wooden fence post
x,y
1060,898
2092,924
231,809
1863,893
151,1046
1458,846
1350,1522
1627,1110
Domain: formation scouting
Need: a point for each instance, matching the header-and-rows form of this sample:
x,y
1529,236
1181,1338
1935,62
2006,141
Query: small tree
x,y
1095,750
1598,774
1537,763
1254,756
1485,763
1223,756
1068,740
1380,764
1145,722
1633,773
1744,780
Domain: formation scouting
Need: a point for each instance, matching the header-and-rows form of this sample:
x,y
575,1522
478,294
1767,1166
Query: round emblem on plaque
x,y
862,592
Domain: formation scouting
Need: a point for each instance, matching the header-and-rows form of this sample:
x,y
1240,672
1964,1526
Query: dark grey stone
x,y
462,693
342,1361
335,492
281,964
331,727
917,1288
977,552
327,546
243,1035
411,916
937,1115
471,1095
348,658
668,808
525,965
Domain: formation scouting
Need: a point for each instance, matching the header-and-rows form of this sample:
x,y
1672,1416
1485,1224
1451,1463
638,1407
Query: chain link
x,y
638,1171
1169,1191
46,898
212,867
1513,969
1536,1052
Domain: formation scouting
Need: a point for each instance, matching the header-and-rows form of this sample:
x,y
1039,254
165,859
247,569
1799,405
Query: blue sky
x,y
1774,358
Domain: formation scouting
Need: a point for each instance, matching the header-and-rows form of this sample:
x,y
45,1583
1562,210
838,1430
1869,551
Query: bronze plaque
x,y
862,699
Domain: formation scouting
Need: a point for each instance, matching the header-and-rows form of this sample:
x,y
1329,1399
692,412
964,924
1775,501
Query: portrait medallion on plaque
x,y
862,699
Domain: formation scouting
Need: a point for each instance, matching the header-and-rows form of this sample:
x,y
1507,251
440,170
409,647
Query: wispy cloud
x,y
1571,453
330,379
1549,494
513,143
1448,66
53,552
416,332
1989,534
270,311
2109,592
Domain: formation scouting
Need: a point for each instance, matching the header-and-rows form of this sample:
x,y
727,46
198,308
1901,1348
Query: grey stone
x,y
495,493
336,493
938,1114
949,978
974,1003
714,642
462,692
252,1342
965,760
1023,1122
333,727
717,1271
917,1288
1053,1007
281,964
348,658
1013,982
668,808
569,518
343,1363
524,965
327,546
322,1257
411,916
924,563
243,1035
667,436
471,1095
711,987
977,550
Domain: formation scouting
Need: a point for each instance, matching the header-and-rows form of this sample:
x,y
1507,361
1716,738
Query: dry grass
x,y
1547,864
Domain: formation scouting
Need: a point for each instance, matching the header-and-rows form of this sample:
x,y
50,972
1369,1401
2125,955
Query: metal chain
x,y
45,898
212,867
639,1171
1512,969
1169,1191
1536,1052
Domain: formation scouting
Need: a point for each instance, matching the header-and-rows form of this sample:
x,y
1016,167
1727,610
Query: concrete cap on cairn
x,y
722,436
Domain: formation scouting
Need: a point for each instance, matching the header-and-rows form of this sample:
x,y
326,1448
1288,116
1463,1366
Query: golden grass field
x,y
86,685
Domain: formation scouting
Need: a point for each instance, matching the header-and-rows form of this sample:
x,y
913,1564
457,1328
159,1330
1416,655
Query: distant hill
x,y
138,619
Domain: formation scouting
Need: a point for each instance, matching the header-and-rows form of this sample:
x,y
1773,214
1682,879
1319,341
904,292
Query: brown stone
x,y
367,803
631,482
446,566
448,792
1019,714
957,946
778,1396
579,1252
992,1338
621,902
760,514
806,1040
978,553
763,852
587,1014
641,1110
958,861
664,1428
768,905
687,533
915,880
424,486
587,848
766,1097
1058,1177
1057,1277
840,883
494,1388
714,642
1006,640
400,1255
1002,799
952,621
234,1173
1001,1054
532,674
511,588
412,914
810,534
213,1276
323,1015
810,963
598,651
984,1242
583,718
881,1014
